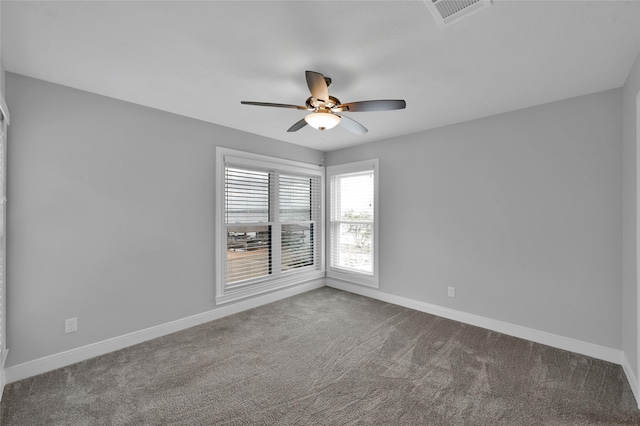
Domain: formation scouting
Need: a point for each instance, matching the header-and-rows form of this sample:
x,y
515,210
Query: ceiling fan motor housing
x,y
320,105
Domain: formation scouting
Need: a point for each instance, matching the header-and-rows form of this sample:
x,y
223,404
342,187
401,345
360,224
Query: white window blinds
x,y
299,214
271,225
248,226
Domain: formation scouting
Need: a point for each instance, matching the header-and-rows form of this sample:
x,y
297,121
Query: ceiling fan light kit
x,y
322,120
325,108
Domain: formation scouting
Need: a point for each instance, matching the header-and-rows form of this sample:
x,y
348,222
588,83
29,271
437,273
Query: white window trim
x,y
340,273
286,279
4,122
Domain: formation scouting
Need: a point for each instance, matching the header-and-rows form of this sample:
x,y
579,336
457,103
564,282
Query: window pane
x,y
295,198
246,196
297,246
355,197
248,252
354,249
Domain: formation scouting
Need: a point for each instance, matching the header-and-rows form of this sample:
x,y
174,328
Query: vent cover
x,y
447,12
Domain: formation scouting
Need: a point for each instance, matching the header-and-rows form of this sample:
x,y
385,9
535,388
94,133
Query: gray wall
x,y
629,218
112,215
2,79
521,212
111,207
2,74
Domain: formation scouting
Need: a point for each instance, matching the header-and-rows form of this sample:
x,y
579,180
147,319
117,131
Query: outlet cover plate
x,y
71,325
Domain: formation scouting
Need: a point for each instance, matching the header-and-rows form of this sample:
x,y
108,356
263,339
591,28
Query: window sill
x,y
267,286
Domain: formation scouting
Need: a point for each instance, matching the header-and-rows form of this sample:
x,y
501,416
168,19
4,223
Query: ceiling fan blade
x,y
317,86
297,126
352,125
379,105
269,104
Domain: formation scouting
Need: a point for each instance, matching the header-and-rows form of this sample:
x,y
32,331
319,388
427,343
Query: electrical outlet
x,y
70,325
452,292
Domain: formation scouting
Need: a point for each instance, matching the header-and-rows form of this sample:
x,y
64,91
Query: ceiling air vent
x,y
448,12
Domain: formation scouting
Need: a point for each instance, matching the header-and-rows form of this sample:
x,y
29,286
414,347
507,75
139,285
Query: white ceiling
x,y
200,59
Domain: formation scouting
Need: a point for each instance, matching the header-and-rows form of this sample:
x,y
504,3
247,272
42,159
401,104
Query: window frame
x,y
279,279
340,273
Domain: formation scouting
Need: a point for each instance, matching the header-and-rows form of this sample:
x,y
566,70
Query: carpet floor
x,y
328,357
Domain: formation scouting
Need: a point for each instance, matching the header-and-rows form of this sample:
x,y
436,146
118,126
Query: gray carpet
x,y
328,358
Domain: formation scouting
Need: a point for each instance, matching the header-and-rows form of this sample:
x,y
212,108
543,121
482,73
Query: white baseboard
x,y
549,339
2,382
3,379
62,359
631,378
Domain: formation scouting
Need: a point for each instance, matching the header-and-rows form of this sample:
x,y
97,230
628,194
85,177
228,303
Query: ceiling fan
x,y
325,108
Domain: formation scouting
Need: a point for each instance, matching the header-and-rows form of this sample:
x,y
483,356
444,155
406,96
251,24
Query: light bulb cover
x,y
322,120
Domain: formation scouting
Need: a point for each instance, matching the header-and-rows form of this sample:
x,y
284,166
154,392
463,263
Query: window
x,y
269,224
353,223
